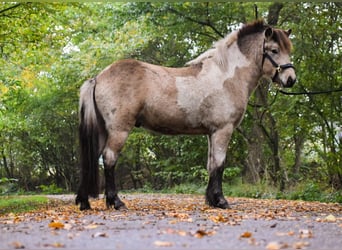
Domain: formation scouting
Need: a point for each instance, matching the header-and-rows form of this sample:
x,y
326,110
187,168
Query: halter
x,y
279,67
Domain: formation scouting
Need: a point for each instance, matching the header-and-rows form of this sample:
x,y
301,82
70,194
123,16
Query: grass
x,y
19,204
307,191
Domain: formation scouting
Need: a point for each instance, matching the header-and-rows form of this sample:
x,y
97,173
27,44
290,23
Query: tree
x,y
49,49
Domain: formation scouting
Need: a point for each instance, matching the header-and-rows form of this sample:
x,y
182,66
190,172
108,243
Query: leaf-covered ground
x,y
155,221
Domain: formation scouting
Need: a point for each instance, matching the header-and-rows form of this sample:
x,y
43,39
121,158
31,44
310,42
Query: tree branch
x,y
204,23
305,92
9,8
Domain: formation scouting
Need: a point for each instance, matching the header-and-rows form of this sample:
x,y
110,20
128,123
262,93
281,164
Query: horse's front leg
x,y
217,148
110,155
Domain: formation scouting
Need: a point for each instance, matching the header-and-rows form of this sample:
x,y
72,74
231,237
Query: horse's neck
x,y
240,69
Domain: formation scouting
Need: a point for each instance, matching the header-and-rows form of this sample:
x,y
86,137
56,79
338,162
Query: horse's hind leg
x,y
111,153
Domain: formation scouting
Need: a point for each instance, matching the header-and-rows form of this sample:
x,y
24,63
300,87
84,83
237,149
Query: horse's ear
x,y
288,32
268,33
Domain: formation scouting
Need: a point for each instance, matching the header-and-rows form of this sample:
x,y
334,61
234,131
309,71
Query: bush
x,y
51,189
8,185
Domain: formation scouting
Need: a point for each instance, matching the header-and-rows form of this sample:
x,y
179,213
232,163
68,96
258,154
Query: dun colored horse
x,y
209,96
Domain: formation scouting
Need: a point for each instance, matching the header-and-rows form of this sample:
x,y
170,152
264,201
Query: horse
x,y
208,96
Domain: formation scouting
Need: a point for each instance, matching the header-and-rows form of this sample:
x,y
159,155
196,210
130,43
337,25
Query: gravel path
x,y
162,221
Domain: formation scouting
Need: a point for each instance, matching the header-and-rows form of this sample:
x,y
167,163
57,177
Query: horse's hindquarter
x,y
120,93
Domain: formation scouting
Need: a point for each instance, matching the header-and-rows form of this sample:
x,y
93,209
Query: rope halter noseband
x,y
279,67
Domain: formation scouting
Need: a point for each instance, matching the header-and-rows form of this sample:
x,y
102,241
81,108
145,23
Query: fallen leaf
x,y
300,245
274,245
200,233
218,218
91,226
55,245
305,233
330,218
246,235
159,243
56,225
182,233
290,233
67,226
99,234
253,242
17,245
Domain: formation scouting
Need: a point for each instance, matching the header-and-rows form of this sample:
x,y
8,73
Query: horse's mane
x,y
252,28
219,50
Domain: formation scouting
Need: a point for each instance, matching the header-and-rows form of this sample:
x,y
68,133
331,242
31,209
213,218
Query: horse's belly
x,y
168,122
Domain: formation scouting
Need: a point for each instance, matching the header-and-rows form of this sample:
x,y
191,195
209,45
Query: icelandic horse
x,y
208,96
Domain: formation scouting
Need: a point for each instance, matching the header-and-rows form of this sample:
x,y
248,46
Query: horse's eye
x,y
274,51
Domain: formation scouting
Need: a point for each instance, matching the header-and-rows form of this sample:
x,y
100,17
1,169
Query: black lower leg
x,y
82,198
112,198
214,194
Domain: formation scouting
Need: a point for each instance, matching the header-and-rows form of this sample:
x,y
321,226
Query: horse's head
x,y
276,57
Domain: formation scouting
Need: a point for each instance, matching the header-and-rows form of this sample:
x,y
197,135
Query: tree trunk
x,y
7,170
299,142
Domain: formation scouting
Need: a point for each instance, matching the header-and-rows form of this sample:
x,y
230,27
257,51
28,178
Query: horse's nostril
x,y
290,82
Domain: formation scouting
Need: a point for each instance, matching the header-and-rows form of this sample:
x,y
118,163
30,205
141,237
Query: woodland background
x,y
47,50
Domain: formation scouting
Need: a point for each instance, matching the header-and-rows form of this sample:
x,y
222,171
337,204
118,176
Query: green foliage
x,y
8,185
54,47
312,191
258,190
51,189
304,191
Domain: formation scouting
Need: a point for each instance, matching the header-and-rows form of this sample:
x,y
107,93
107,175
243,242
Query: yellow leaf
x,y
218,218
91,226
3,89
56,225
163,243
57,245
330,218
273,246
300,245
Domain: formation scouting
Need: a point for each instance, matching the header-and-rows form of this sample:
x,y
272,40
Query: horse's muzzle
x,y
290,82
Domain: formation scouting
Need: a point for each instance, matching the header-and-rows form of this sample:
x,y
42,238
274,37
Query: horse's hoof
x,y
219,202
84,204
223,203
122,208
115,203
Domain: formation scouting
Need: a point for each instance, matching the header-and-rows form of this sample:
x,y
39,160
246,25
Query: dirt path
x,y
161,221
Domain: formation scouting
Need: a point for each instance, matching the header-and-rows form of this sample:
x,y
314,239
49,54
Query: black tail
x,y
89,132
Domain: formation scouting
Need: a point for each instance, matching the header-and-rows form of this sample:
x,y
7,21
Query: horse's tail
x,y
89,132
